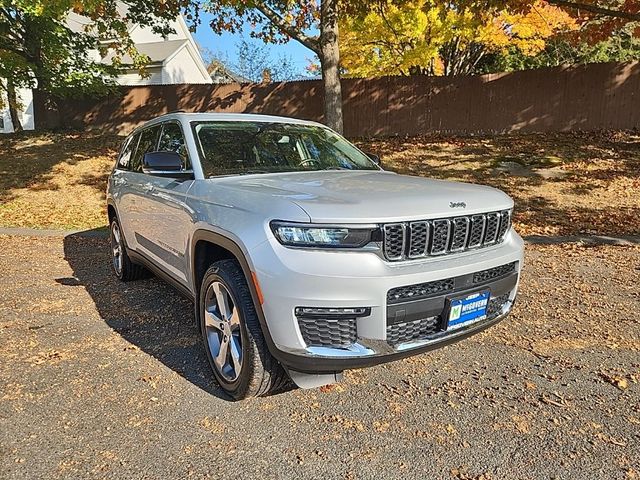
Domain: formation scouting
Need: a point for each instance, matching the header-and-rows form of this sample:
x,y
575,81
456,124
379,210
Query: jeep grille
x,y
410,240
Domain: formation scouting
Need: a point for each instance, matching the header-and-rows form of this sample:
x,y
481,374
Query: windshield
x,y
228,148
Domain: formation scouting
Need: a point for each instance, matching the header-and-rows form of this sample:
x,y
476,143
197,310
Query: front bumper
x,y
291,278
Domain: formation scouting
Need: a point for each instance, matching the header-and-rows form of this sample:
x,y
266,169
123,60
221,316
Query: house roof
x,y
158,52
79,23
222,74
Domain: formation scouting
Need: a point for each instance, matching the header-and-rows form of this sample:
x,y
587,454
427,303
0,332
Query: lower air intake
x,y
328,332
412,331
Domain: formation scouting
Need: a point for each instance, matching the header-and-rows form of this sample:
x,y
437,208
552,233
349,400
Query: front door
x,y
164,217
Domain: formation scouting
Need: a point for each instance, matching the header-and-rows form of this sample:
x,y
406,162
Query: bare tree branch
x,y
312,43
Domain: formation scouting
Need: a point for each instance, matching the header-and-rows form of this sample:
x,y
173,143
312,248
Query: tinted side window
x,y
148,143
124,161
172,140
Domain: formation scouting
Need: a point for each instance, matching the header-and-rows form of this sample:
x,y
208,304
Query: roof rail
x,y
170,113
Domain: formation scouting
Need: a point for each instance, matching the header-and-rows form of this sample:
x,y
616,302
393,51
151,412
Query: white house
x,y
175,59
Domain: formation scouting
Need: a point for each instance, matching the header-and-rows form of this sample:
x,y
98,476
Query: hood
x,y
373,196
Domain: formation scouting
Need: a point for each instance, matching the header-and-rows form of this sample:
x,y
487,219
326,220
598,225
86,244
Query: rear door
x,y
121,179
136,188
165,220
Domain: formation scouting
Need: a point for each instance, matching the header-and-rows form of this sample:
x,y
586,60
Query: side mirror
x,y
374,158
161,163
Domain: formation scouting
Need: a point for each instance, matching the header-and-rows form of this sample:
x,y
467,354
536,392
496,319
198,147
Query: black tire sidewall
x,y
241,384
119,274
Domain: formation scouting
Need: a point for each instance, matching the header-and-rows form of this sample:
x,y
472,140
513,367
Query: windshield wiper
x,y
246,172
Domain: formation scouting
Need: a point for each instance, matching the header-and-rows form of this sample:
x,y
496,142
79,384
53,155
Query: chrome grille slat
x,y
459,234
394,240
476,232
419,233
423,238
440,236
491,228
505,223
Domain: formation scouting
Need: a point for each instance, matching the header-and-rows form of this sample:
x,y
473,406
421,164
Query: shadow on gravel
x,y
147,313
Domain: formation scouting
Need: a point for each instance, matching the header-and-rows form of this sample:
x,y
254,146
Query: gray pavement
x,y
100,379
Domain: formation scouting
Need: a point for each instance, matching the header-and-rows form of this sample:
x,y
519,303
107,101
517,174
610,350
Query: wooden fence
x,y
587,97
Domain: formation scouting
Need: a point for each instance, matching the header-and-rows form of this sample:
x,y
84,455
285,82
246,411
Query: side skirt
x,y
158,272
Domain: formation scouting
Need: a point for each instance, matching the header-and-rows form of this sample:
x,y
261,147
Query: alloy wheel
x,y
222,325
116,248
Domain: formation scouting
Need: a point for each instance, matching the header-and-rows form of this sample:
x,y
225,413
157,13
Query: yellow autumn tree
x,y
441,37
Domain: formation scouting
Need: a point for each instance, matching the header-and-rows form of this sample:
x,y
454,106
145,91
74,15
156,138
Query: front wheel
x,y
232,335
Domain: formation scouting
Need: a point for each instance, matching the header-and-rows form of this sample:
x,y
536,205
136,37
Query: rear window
x,y
124,161
148,143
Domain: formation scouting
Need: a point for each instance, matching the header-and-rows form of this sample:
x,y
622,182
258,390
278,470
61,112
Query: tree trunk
x,y
330,63
14,106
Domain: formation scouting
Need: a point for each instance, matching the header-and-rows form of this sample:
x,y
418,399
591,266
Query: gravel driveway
x,y
100,379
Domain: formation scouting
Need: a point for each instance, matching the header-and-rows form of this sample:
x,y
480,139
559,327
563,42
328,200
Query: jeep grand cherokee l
x,y
303,257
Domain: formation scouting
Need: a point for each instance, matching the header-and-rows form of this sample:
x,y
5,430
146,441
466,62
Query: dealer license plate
x,y
468,309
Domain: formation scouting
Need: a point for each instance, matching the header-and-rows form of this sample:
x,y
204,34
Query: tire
x,y
122,265
227,315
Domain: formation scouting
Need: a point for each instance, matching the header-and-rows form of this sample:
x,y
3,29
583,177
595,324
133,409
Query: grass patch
x,y
563,184
55,180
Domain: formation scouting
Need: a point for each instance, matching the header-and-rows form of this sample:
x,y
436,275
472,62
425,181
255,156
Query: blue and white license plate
x,y
469,309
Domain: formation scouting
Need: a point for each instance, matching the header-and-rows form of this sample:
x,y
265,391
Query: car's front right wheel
x,y
232,335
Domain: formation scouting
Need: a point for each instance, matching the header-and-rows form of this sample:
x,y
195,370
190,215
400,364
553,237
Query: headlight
x,y
323,236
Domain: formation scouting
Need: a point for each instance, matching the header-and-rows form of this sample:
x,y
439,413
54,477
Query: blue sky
x,y
226,44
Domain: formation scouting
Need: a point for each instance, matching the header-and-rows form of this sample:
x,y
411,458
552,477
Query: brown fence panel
x,y
364,106
587,97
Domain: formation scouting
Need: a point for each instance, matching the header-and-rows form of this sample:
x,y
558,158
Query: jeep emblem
x,y
457,205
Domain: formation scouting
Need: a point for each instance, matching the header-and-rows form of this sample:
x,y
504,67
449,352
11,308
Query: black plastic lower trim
x,y
434,306
317,365
149,264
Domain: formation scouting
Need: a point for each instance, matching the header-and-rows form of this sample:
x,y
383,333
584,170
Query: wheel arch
x,y
111,212
207,247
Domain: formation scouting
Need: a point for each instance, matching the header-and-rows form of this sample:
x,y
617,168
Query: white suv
x,y
303,257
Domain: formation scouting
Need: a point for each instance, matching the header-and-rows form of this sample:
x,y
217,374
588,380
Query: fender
x,y
233,247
